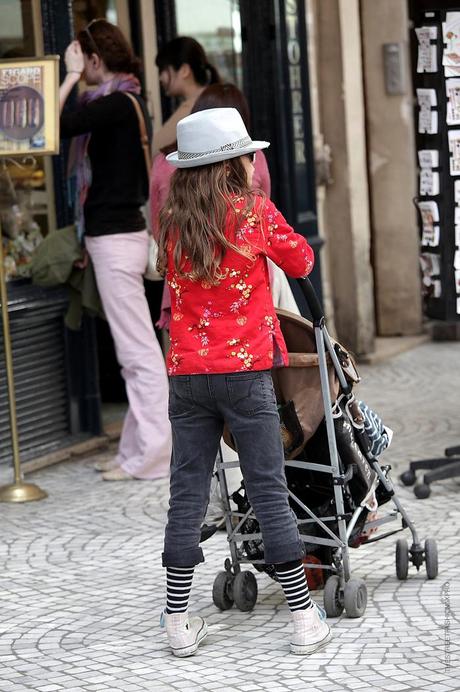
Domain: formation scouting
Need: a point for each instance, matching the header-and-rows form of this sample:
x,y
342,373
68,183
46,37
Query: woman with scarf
x,y
112,185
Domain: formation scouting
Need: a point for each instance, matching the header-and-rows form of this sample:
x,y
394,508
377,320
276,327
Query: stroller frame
x,y
341,591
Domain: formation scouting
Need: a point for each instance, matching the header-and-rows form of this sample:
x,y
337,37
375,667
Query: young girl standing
x,y
216,236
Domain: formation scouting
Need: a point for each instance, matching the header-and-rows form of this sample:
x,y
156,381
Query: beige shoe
x,y
117,474
107,465
311,630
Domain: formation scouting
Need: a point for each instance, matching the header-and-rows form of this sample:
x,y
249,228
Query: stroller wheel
x,y
422,491
408,477
332,598
355,598
402,559
222,591
431,558
245,591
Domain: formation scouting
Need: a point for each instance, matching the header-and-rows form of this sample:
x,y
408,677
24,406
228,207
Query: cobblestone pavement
x,y
82,586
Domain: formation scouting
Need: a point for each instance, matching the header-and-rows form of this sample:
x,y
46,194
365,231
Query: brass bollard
x,y
18,491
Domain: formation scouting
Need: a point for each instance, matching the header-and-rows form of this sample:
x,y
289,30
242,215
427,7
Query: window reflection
x,y
86,10
24,201
16,29
217,27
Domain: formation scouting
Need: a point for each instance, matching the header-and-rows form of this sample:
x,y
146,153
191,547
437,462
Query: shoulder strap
x,y
145,144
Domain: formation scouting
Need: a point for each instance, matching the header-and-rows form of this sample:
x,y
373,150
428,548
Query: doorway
x,y
262,48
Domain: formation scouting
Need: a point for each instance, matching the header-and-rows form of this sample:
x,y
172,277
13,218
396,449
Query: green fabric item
x,y
53,265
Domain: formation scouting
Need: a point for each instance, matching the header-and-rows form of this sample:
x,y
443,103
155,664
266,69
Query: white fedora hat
x,y
212,135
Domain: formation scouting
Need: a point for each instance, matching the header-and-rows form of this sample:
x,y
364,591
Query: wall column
x,y
392,173
346,205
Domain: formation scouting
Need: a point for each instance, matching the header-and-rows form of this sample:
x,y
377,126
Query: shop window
x,y
216,25
84,11
16,29
26,201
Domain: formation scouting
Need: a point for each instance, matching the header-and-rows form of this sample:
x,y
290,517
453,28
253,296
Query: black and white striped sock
x,y
178,586
293,581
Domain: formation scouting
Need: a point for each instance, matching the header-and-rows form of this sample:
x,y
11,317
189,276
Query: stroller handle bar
x,y
312,299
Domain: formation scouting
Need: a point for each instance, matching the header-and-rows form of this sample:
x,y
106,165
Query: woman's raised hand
x,y
73,58
75,64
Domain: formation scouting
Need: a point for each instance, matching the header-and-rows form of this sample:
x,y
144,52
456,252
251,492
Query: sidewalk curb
x,y
72,452
387,347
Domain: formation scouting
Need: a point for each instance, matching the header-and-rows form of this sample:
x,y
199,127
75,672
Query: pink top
x,y
159,189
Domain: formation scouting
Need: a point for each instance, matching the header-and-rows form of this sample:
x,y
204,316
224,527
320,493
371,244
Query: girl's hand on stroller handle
x,y
312,299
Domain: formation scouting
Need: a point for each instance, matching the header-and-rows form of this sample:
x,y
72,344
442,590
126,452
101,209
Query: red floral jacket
x,y
233,326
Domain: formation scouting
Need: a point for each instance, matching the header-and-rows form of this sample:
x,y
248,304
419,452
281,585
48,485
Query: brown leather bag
x,y
145,144
151,272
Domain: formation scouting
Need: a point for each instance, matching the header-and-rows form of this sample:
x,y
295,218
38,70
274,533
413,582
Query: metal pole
x,y
18,491
332,443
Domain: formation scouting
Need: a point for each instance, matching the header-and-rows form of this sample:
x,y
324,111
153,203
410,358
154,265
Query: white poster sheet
x,y
429,212
428,158
451,39
429,182
430,264
428,118
427,59
453,103
454,148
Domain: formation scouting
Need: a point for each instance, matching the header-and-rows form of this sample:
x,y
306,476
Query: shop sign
x,y
29,106
294,55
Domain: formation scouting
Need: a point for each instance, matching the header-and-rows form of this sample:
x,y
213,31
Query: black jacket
x,y
119,178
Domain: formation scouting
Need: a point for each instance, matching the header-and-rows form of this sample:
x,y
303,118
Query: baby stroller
x,y
335,481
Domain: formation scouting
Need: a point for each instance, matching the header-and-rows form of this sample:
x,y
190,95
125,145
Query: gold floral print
x,y
203,324
177,289
243,287
240,351
175,359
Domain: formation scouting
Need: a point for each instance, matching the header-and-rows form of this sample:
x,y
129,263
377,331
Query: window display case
x,y
436,76
26,187
55,371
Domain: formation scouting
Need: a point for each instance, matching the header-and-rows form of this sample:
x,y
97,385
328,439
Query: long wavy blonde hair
x,y
194,217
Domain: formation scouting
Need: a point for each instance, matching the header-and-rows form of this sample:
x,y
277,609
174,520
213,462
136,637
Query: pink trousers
x,y
119,262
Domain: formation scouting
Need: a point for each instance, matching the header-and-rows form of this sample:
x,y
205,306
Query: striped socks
x,y
178,586
291,576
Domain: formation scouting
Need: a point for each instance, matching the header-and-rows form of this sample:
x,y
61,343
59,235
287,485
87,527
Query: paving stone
x,y
82,587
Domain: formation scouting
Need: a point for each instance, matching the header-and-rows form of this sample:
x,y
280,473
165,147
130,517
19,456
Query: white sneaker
x,y
311,630
184,633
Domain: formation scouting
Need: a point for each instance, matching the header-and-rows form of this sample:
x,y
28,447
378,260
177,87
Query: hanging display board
x,y
436,74
29,112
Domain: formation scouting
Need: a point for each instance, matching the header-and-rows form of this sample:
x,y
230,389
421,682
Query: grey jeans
x,y
198,407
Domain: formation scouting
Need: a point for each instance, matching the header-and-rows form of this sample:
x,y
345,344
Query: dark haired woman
x,y
184,72
112,186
